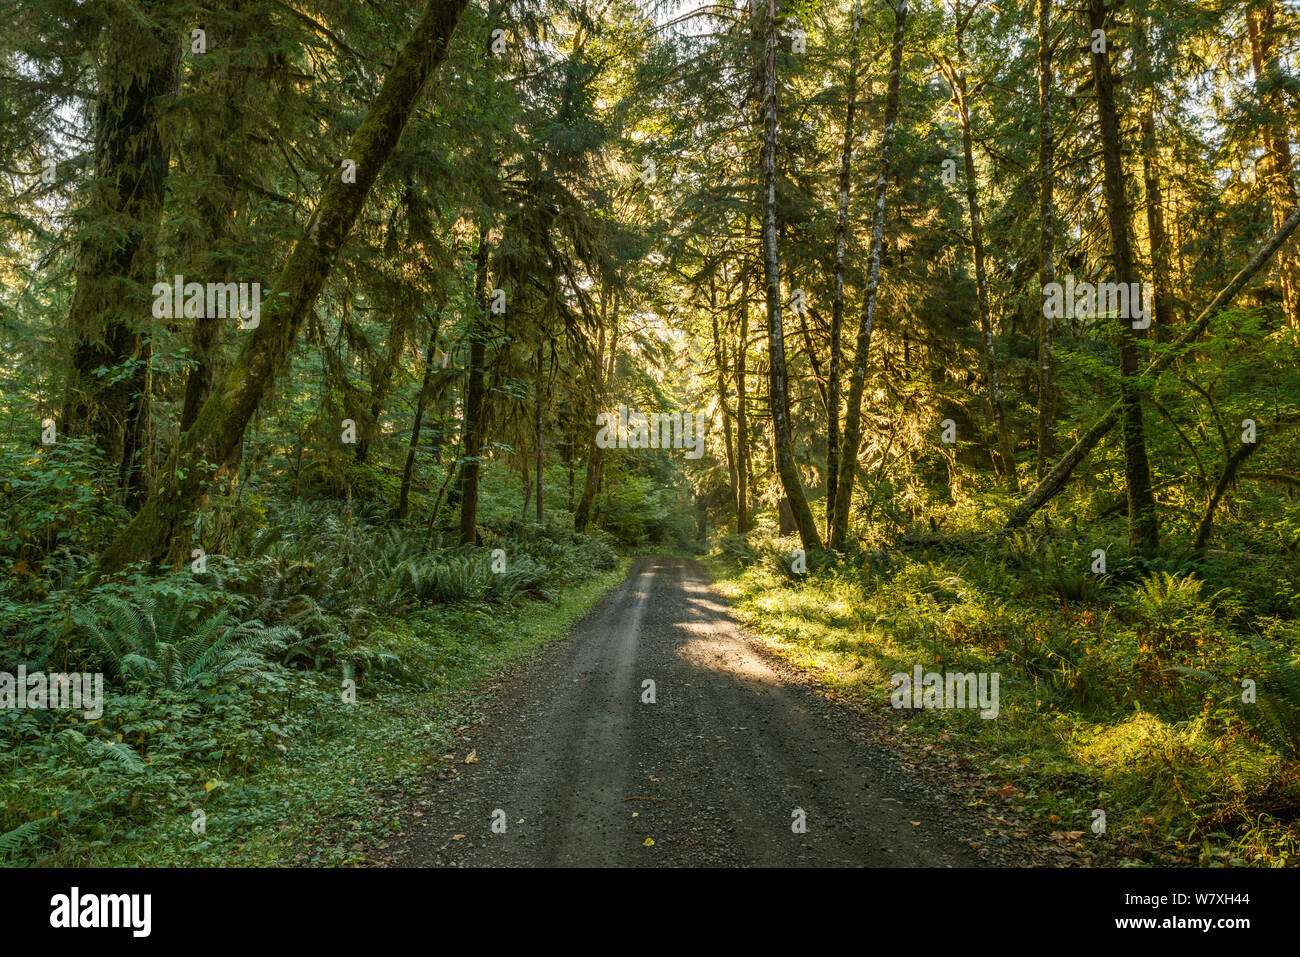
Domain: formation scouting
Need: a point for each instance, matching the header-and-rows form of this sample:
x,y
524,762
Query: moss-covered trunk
x,y
157,531
107,392
1144,523
1047,241
474,390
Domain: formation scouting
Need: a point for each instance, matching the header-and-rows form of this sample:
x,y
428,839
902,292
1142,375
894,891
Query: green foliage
x,y
56,503
163,642
1128,685
1165,597
216,676
1279,706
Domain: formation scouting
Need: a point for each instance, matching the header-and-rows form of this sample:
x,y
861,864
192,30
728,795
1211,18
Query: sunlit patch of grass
x,y
1174,782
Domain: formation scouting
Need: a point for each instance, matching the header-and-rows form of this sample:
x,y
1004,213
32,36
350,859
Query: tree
x,y
1047,242
961,99
1278,170
156,531
1144,523
778,394
837,295
858,375
107,392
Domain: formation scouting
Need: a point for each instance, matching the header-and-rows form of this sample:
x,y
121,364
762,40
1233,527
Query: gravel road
x,y
714,772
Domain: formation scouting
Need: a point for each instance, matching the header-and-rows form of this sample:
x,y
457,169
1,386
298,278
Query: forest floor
x,y
570,764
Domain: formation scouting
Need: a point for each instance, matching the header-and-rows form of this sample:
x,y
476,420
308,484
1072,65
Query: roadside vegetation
x,y
269,709
1120,692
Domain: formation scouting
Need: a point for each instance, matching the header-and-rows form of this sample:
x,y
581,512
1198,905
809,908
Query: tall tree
x,y
1047,241
472,428
1144,523
744,464
1157,235
956,75
778,392
837,296
858,376
219,140
157,530
107,393
1279,175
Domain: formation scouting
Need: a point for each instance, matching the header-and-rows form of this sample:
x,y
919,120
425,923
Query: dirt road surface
x,y
582,771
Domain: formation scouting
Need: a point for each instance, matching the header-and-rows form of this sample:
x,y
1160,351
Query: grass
x,y
1092,716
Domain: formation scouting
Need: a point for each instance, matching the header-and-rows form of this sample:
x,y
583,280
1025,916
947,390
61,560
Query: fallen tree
x,y
1206,525
1055,480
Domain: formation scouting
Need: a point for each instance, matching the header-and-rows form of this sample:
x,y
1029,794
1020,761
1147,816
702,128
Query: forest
x,y
350,352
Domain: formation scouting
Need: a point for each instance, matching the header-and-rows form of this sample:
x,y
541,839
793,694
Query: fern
x,y
1278,718
12,842
178,643
1164,597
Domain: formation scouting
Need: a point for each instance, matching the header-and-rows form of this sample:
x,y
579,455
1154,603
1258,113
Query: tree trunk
x,y
777,385
1005,450
1144,523
381,377
1277,151
593,473
837,301
408,469
720,354
569,447
857,379
1055,480
1163,306
474,389
217,152
107,391
743,462
541,421
1047,244
201,452
1206,525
